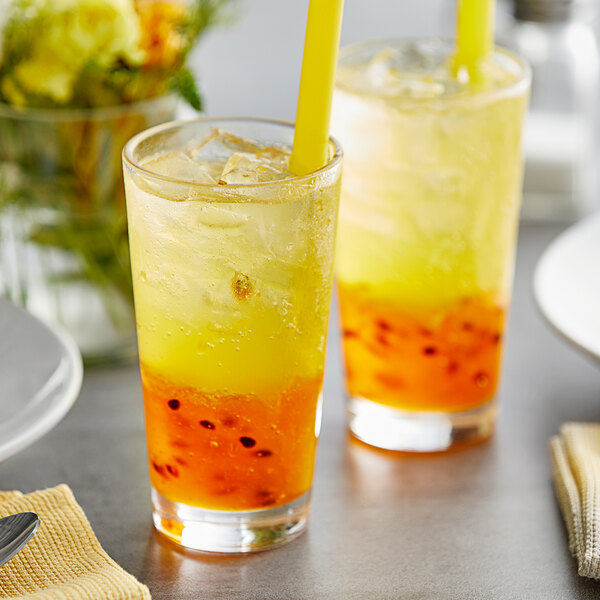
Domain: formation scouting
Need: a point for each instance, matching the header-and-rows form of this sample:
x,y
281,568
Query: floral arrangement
x,y
92,53
78,78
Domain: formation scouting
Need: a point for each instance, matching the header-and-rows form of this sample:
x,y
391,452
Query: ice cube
x,y
219,217
269,164
387,76
180,166
218,145
380,71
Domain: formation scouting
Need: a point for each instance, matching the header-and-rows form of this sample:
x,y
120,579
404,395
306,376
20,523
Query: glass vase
x,y
64,252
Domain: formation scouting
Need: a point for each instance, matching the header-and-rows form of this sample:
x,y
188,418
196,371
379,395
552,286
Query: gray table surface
x,y
479,523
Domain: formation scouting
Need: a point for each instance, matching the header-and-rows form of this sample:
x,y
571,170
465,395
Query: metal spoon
x,y
15,532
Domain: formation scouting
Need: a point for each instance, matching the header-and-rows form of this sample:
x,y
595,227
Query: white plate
x,y
567,285
40,378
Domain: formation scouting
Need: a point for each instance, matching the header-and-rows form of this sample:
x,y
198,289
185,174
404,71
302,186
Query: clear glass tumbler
x,y
232,283
428,225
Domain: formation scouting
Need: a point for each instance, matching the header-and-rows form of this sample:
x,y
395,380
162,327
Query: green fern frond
x,y
184,84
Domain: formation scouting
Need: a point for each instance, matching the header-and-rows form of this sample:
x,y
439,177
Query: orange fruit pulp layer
x,y
228,451
438,360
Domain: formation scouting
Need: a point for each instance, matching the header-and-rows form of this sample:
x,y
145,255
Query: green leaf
x,y
204,14
184,84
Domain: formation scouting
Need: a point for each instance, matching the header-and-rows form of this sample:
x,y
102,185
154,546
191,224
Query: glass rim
x,y
516,87
130,146
67,115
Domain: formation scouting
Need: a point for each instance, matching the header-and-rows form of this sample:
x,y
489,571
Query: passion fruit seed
x,y
382,340
481,379
263,453
265,497
452,367
174,404
158,468
384,325
247,442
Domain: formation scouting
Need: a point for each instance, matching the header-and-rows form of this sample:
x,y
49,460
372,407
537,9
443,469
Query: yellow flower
x,y
73,33
161,38
11,92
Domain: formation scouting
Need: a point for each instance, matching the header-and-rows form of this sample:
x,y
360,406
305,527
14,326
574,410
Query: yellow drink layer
x,y
432,174
232,283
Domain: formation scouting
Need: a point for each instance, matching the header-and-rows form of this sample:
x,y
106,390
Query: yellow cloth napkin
x,y
64,560
576,464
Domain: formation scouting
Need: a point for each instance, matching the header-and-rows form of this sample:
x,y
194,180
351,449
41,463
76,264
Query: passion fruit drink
x,y
232,267
428,225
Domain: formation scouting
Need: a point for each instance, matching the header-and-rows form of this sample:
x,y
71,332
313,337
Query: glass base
x,y
412,431
230,532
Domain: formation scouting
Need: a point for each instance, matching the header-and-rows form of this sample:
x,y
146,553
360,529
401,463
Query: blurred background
x,y
253,66
64,251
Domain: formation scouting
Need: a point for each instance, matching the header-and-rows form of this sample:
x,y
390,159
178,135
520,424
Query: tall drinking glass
x,y
428,225
232,262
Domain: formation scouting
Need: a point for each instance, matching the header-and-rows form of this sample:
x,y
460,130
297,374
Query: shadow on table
x,y
375,475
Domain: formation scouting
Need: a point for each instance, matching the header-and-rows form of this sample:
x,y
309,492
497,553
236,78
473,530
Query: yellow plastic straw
x,y
474,35
311,136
